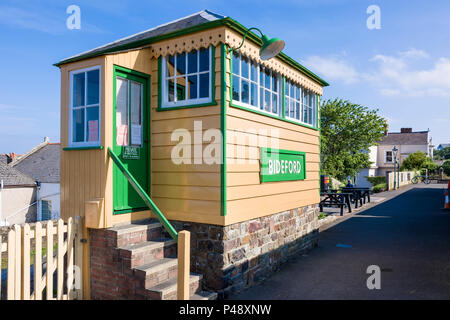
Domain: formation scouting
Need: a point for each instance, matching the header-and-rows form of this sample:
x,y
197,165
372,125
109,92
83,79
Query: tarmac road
x,y
408,237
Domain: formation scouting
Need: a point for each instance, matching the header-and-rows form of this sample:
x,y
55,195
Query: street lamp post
x,y
394,154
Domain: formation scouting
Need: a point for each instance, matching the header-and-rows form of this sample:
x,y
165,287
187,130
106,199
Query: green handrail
x,y
149,202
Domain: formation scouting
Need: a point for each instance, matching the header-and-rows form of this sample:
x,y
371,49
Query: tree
x,y
348,130
442,154
446,167
418,160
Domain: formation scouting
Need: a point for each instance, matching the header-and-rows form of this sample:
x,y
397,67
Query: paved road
x,y
408,237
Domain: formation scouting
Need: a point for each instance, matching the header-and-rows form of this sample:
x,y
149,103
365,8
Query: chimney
x,y
406,130
11,157
46,139
386,128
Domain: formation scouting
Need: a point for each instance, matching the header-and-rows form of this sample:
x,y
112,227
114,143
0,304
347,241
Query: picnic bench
x,y
358,195
339,200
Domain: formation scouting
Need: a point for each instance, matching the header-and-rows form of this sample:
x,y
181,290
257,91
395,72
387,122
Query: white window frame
x,y
71,143
260,69
302,105
385,156
165,103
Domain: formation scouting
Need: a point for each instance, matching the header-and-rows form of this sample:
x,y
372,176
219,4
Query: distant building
x,y
42,164
17,193
406,141
29,185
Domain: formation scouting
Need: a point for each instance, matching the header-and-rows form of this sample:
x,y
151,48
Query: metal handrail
x,y
144,196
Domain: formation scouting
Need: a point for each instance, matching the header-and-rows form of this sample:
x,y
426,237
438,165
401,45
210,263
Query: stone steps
x,y
138,254
167,290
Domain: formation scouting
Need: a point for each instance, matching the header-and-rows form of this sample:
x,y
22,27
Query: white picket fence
x,y
58,272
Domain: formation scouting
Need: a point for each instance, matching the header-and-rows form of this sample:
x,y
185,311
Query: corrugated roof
x,y
42,165
411,138
13,177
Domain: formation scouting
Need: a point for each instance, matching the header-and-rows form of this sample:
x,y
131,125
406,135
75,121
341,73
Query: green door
x,y
131,108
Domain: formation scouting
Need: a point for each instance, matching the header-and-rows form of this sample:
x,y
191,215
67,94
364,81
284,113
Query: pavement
x,y
407,236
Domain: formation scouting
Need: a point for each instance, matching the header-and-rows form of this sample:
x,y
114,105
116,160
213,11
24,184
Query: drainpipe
x,y
38,202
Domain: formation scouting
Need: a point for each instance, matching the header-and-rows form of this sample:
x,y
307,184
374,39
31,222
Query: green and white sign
x,y
281,165
131,153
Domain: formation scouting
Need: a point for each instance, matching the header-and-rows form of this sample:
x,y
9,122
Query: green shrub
x,y
321,216
376,180
379,187
446,167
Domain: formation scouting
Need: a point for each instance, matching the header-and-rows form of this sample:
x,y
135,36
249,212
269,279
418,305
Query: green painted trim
x,y
213,101
283,101
271,116
130,210
148,201
129,74
223,129
204,26
320,139
83,148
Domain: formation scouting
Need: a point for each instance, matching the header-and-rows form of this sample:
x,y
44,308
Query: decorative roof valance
x,y
219,35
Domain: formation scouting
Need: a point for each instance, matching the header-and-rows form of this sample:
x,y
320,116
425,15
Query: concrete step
x,y
204,295
138,254
167,290
134,232
156,272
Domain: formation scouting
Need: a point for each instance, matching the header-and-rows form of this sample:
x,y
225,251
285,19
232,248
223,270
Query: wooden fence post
x,y
26,262
79,252
184,264
11,261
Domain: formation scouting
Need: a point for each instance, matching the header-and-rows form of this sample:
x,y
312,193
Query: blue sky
x,y
402,69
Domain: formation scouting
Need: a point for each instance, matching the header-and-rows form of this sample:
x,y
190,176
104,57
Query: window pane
x,y
292,109
236,63
254,72
254,95
297,93
136,113
275,83
122,102
122,112
181,63
204,85
192,87
261,77
267,100
261,99
297,110
245,91
286,107
235,88
192,62
275,103
181,89
78,89
78,125
267,79
287,86
92,129
204,60
170,66
244,67
93,83
310,115
170,90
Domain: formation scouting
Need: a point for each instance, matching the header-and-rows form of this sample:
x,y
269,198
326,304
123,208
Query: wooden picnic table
x,y
335,199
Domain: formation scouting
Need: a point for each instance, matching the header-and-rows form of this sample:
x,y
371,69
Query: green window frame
x,y
282,113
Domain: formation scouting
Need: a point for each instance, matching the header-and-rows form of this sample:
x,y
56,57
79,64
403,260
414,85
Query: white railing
x,y
44,261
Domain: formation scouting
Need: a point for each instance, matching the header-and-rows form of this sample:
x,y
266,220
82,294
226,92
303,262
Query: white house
x,y
382,157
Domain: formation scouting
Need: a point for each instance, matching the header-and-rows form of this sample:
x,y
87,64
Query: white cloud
x,y
332,68
400,74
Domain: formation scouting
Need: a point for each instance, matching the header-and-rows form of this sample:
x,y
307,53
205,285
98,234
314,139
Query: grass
x,y
322,215
32,256
379,187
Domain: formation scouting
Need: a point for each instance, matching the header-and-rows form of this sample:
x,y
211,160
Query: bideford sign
x,y
281,165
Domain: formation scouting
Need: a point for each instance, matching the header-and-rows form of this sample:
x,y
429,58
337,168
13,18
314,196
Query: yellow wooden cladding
x,y
188,192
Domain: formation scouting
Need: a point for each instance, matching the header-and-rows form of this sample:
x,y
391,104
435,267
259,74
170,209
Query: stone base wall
x,y
238,256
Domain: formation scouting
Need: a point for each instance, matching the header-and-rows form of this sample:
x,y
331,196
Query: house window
x,y
84,116
388,157
46,210
129,106
187,78
255,86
